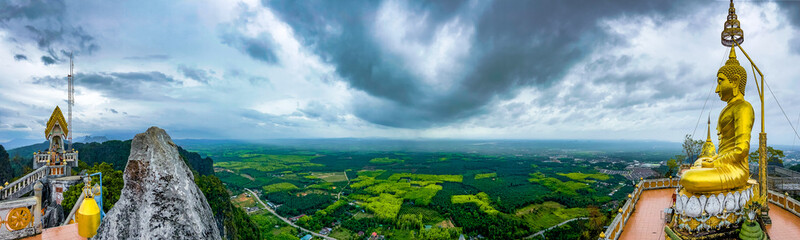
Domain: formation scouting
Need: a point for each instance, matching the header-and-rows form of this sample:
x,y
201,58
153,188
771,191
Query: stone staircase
x,y
24,185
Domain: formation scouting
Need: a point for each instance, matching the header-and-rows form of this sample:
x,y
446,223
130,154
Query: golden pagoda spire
x,y
709,150
708,139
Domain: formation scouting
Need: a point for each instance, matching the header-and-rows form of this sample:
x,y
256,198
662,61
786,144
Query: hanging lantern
x,y
88,214
732,30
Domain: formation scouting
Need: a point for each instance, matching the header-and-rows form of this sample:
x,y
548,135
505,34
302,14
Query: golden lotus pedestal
x,y
715,215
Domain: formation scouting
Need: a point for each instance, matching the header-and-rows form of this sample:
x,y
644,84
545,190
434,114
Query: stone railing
x,y
43,158
784,202
615,228
59,170
71,158
23,185
22,217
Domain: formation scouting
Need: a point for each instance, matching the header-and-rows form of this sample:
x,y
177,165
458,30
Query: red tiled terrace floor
x,y
68,232
785,225
646,221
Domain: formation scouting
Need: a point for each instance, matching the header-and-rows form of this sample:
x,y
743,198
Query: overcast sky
x,y
226,69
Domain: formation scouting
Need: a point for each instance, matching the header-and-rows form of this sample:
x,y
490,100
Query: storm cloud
x,y
475,69
510,45
20,57
47,24
150,86
260,47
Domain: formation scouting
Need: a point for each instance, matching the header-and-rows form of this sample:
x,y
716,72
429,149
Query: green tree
x,y
672,166
692,149
6,171
774,156
796,167
409,221
595,225
112,186
235,222
437,233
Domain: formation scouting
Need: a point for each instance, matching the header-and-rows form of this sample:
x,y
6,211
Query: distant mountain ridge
x,y
90,139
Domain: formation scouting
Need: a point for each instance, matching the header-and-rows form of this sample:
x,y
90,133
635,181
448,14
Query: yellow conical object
x,y
89,219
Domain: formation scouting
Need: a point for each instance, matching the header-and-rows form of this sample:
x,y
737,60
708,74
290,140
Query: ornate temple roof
x,y
56,117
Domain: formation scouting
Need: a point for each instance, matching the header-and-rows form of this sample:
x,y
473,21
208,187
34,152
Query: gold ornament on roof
x,y
56,117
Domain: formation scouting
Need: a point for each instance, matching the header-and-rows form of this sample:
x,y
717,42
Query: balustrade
x,y
21,217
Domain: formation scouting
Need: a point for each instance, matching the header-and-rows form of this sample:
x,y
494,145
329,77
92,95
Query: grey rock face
x,y
53,216
160,199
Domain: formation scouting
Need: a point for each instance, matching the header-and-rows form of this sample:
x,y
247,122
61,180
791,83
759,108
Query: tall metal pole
x,y
70,101
762,142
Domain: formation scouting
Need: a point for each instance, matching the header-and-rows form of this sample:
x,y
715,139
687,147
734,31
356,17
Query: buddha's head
x,y
731,79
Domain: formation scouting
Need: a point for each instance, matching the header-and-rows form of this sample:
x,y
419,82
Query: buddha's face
x,y
725,89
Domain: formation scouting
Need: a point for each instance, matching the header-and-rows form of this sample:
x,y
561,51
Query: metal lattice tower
x,y
71,100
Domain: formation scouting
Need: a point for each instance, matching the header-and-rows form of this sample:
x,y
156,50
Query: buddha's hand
x,y
704,162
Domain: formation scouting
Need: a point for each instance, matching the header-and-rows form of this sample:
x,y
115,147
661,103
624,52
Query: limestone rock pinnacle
x,y
160,199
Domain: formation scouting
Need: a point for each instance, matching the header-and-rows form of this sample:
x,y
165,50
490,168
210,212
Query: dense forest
x,y
113,152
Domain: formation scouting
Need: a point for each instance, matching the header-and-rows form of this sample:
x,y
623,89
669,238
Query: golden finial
x,y
602,235
732,30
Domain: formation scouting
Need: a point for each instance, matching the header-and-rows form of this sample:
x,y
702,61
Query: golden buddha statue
x,y
729,168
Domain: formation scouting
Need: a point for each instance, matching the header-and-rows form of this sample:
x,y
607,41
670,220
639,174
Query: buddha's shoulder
x,y
742,106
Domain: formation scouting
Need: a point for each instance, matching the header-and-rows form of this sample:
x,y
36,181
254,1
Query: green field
x,y
480,199
547,214
583,176
485,175
453,190
569,188
385,160
278,187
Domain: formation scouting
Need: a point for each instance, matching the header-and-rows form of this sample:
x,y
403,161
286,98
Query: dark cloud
x,y
261,48
47,60
114,111
516,44
791,10
45,23
20,57
152,57
197,74
318,110
19,126
120,85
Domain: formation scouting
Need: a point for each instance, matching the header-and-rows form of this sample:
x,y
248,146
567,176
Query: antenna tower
x,y
71,100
